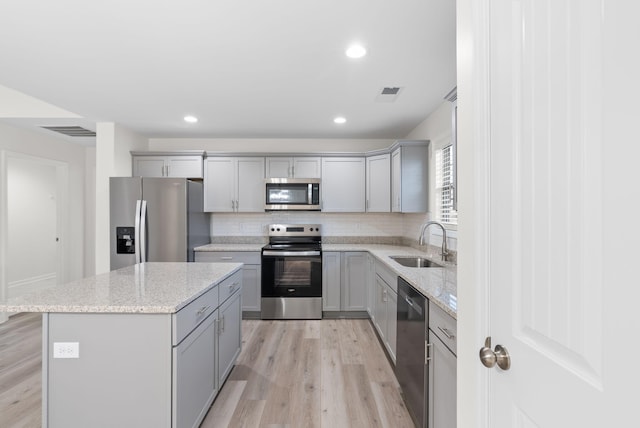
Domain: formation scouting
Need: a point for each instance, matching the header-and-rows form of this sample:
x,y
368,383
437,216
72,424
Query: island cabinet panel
x,y
122,376
195,380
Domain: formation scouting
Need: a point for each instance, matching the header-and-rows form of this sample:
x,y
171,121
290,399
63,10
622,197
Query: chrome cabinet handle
x,y
446,332
427,352
499,356
226,258
203,309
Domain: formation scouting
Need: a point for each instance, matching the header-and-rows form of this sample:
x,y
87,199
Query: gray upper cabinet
x,y
293,167
409,177
167,164
378,184
343,184
234,184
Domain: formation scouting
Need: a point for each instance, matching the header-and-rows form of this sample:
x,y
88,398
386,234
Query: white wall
x,y
31,143
31,205
437,129
113,144
271,145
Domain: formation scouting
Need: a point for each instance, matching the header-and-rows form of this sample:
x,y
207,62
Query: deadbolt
x,y
499,355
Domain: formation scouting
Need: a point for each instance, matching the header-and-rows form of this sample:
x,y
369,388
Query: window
x,y
445,188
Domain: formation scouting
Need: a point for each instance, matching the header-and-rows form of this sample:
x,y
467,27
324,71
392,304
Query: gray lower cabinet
x,y
442,378
370,276
251,275
194,374
354,281
344,281
331,281
229,335
385,308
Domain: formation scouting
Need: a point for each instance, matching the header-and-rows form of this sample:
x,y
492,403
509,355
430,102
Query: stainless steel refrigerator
x,y
155,220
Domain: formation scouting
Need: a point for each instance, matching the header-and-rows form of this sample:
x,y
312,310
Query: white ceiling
x,y
245,68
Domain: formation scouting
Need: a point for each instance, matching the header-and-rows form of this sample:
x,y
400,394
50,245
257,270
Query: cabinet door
x,y
379,183
392,323
229,337
343,184
250,185
184,166
251,297
219,184
279,167
195,381
381,308
442,385
307,167
371,286
331,281
148,166
354,276
396,181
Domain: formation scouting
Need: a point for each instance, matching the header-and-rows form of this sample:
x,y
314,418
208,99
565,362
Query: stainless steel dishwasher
x,y
410,352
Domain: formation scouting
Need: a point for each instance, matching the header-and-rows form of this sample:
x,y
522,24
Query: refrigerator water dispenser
x,y
125,242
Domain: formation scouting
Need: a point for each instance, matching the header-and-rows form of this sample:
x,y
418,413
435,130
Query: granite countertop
x,y
144,288
436,284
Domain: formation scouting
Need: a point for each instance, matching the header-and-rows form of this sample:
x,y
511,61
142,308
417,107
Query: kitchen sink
x,y
417,262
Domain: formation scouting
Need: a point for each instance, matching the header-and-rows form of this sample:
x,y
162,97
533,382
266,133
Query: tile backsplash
x,y
383,228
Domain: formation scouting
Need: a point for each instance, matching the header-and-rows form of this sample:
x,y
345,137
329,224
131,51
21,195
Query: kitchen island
x,y
144,346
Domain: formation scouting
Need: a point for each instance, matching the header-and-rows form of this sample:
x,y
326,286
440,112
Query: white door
x,y
563,234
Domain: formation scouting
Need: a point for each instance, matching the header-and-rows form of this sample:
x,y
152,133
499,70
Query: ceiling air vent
x,y
388,94
452,96
71,131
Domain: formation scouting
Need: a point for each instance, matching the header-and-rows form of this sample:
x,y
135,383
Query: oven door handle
x,y
291,253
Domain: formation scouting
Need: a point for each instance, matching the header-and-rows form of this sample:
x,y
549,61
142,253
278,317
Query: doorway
x,y
33,207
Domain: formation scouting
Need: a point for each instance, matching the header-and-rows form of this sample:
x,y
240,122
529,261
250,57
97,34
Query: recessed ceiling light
x,y
190,119
339,120
356,51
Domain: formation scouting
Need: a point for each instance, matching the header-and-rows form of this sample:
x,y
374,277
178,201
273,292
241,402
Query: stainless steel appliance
x,y
410,350
283,194
155,220
292,272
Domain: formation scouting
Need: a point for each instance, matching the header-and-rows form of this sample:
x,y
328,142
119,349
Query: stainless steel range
x,y
292,272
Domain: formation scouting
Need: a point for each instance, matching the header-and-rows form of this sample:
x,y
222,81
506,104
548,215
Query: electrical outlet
x,y
66,350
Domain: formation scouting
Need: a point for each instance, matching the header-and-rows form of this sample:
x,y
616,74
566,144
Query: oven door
x,y
291,273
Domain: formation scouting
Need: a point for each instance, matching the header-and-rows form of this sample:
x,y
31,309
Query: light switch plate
x,y
66,350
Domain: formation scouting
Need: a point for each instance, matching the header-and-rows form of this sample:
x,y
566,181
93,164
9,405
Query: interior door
x,y
562,240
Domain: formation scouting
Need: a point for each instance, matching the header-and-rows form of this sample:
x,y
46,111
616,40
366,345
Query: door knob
x,y
499,355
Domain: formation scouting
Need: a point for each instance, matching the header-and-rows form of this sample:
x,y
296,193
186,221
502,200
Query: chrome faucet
x,y
444,252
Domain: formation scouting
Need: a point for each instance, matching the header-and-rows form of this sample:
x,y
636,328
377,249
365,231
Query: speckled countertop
x,y
144,288
437,284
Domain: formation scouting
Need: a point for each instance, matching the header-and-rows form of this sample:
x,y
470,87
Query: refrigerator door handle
x,y
143,232
137,231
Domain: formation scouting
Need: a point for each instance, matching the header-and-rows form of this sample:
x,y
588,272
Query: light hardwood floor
x,y
328,373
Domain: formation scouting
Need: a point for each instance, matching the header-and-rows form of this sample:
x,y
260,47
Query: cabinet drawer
x,y
188,318
230,286
444,326
389,277
246,257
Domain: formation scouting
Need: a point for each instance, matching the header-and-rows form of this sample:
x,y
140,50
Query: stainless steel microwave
x,y
284,194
